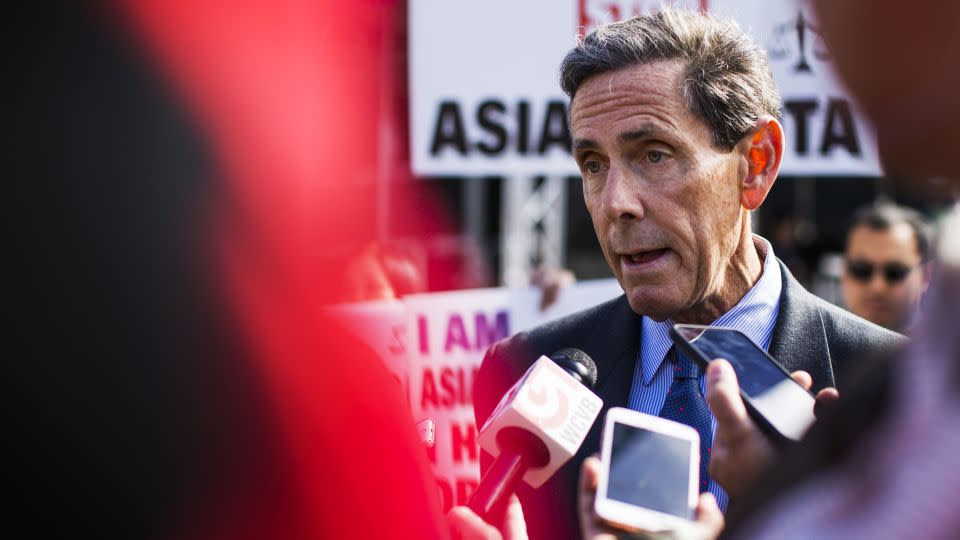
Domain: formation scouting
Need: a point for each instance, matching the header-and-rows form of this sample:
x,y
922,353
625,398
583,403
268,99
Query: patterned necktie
x,y
685,404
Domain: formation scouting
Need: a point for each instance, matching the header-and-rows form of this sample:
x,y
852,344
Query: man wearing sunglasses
x,y
886,268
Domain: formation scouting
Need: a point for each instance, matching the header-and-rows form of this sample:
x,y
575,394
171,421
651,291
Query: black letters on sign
x,y
555,128
800,109
523,130
500,127
839,129
449,129
490,118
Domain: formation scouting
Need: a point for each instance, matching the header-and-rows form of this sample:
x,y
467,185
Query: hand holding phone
x,y
649,473
741,450
708,523
779,405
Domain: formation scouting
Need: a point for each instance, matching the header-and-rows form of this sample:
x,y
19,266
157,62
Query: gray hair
x,y
727,81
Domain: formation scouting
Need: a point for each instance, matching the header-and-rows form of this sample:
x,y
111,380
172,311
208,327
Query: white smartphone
x,y
650,472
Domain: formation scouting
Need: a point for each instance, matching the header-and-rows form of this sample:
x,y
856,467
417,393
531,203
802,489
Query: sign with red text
x,y
448,335
485,97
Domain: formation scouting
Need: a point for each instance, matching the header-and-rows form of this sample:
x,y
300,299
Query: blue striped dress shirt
x,y
755,315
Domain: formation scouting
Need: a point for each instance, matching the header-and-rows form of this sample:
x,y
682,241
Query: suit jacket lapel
x,y
621,336
799,339
618,336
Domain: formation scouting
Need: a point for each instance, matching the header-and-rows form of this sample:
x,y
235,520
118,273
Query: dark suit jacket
x,y
810,334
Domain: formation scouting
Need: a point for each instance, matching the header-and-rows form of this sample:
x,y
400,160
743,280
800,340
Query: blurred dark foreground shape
x,y
178,175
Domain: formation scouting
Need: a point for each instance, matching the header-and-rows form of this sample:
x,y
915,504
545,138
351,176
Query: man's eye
x,y
592,167
654,156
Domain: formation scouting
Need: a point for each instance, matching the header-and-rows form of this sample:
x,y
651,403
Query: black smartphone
x,y
778,404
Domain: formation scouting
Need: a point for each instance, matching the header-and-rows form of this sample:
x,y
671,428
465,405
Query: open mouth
x,y
644,256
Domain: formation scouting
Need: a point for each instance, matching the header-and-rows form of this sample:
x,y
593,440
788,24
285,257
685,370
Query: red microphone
x,y
538,426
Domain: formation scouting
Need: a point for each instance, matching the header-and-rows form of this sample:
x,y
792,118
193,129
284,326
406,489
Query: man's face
x,y
664,202
876,297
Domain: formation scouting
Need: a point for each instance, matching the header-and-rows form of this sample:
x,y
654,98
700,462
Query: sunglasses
x,y
892,272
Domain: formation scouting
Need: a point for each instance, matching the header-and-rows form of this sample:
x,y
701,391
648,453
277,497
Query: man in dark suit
x,y
675,130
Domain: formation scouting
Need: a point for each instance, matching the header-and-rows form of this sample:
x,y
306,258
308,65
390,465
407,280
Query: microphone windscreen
x,y
577,363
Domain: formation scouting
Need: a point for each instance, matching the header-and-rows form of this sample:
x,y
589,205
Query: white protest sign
x,y
449,334
485,96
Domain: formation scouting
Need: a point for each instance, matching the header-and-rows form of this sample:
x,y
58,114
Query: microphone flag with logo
x,y
538,425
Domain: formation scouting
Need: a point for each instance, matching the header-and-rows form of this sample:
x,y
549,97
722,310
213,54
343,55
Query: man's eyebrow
x,y
629,136
581,144
635,135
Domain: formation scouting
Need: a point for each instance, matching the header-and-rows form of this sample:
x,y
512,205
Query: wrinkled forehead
x,y
654,87
662,78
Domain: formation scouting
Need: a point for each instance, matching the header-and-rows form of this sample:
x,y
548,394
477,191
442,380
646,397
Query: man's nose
x,y
877,281
622,196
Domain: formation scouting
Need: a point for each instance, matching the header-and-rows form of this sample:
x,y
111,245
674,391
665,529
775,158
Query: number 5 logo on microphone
x,y
545,399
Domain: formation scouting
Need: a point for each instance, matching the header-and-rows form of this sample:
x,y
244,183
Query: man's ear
x,y
763,152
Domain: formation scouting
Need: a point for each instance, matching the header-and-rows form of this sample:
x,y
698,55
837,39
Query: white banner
x,y
485,97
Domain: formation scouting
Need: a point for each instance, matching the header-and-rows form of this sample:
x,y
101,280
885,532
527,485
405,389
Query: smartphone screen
x,y
650,469
786,405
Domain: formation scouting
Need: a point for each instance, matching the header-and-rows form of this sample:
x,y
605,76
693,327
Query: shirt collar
x,y
754,315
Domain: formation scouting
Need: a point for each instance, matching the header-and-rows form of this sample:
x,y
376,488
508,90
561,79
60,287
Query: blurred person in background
x,y
381,272
887,266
